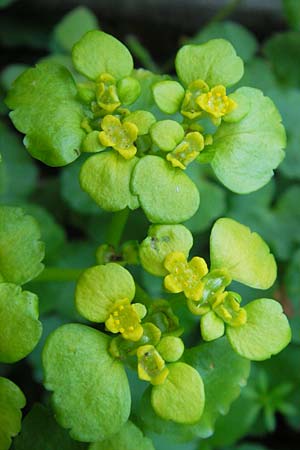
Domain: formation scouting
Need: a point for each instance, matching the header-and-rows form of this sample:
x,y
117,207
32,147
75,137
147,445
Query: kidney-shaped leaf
x,y
265,333
20,329
21,250
247,152
244,254
42,96
91,395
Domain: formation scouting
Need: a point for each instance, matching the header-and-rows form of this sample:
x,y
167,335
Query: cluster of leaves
x,y
158,142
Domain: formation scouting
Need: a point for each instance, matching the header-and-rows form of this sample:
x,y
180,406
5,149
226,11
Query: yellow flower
x,y
185,276
151,366
187,150
216,103
190,108
125,318
119,136
227,306
106,93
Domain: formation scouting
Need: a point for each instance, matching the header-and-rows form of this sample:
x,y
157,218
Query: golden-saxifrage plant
x,y
141,158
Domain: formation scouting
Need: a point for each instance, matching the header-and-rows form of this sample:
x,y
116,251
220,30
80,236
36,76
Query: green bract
x,y
162,240
106,178
168,95
265,333
247,152
98,52
42,96
215,62
166,134
21,250
91,394
243,254
11,401
128,438
170,197
100,287
20,329
181,398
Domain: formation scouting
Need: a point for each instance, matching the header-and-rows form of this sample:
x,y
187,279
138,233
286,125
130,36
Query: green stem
x,y
142,54
116,227
59,274
224,12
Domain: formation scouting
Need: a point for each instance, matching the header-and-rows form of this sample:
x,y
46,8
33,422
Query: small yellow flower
x,y
119,136
190,108
185,276
216,103
125,318
151,366
227,306
106,93
187,150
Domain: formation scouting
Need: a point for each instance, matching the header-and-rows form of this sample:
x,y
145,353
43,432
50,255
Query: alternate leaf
x,y
215,62
243,254
46,95
247,152
169,197
21,250
91,394
98,52
106,178
162,240
99,287
40,431
242,40
213,360
181,397
12,400
265,333
20,329
129,437
73,26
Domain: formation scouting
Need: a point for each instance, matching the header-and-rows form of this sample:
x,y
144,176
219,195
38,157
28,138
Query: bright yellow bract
x,y
119,136
185,276
126,319
151,366
216,103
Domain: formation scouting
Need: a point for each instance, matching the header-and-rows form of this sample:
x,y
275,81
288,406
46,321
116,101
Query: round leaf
x,y
21,251
247,152
170,196
215,62
98,53
162,240
11,401
20,329
166,134
265,333
181,397
99,287
91,394
242,109
168,95
142,119
242,253
106,178
129,437
42,96
212,327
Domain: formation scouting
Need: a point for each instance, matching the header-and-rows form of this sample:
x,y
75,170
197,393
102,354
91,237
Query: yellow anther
x,y
129,320
185,276
187,150
151,366
216,103
189,107
119,136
